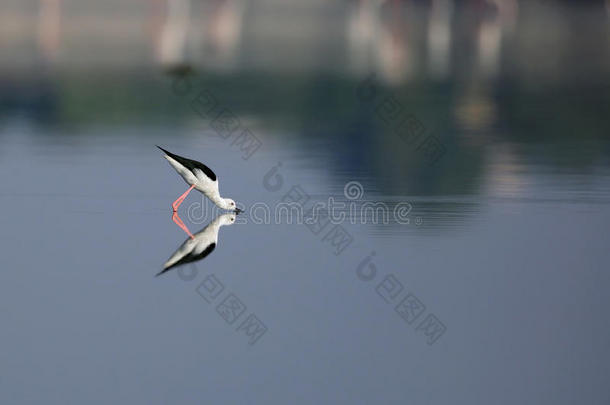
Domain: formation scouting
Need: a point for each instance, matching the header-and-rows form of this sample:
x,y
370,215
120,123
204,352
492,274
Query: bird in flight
x,y
199,246
201,177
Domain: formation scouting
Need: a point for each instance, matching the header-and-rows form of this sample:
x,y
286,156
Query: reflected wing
x,y
183,256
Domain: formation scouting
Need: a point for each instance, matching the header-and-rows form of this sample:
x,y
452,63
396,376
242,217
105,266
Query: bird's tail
x,y
163,271
166,152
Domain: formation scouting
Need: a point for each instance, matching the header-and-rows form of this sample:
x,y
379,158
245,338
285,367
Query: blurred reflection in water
x,y
197,247
501,84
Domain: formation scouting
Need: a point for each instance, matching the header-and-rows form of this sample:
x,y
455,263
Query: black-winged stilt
x,y
197,246
201,177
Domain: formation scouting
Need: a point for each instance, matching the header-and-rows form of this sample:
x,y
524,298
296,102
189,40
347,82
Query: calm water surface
x,y
513,270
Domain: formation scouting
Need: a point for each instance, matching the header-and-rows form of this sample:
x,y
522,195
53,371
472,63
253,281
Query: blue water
x,y
515,274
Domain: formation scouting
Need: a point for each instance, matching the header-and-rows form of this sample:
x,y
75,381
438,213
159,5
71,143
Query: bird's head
x,y
229,204
226,219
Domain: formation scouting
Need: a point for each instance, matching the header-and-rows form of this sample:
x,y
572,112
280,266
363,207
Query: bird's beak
x,y
238,211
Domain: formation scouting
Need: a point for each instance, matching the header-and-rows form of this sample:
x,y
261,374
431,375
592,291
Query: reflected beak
x,y
237,210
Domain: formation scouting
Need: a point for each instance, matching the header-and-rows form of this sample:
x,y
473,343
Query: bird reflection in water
x,y
198,246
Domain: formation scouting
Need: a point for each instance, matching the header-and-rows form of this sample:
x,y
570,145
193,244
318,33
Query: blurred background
x,y
509,249
476,73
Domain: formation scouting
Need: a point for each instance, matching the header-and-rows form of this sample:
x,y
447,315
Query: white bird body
x,y
197,178
200,177
199,245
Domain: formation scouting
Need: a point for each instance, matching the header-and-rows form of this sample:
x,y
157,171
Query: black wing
x,y
191,258
191,164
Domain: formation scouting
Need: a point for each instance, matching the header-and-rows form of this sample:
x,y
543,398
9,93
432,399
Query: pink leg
x,y
179,222
177,203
